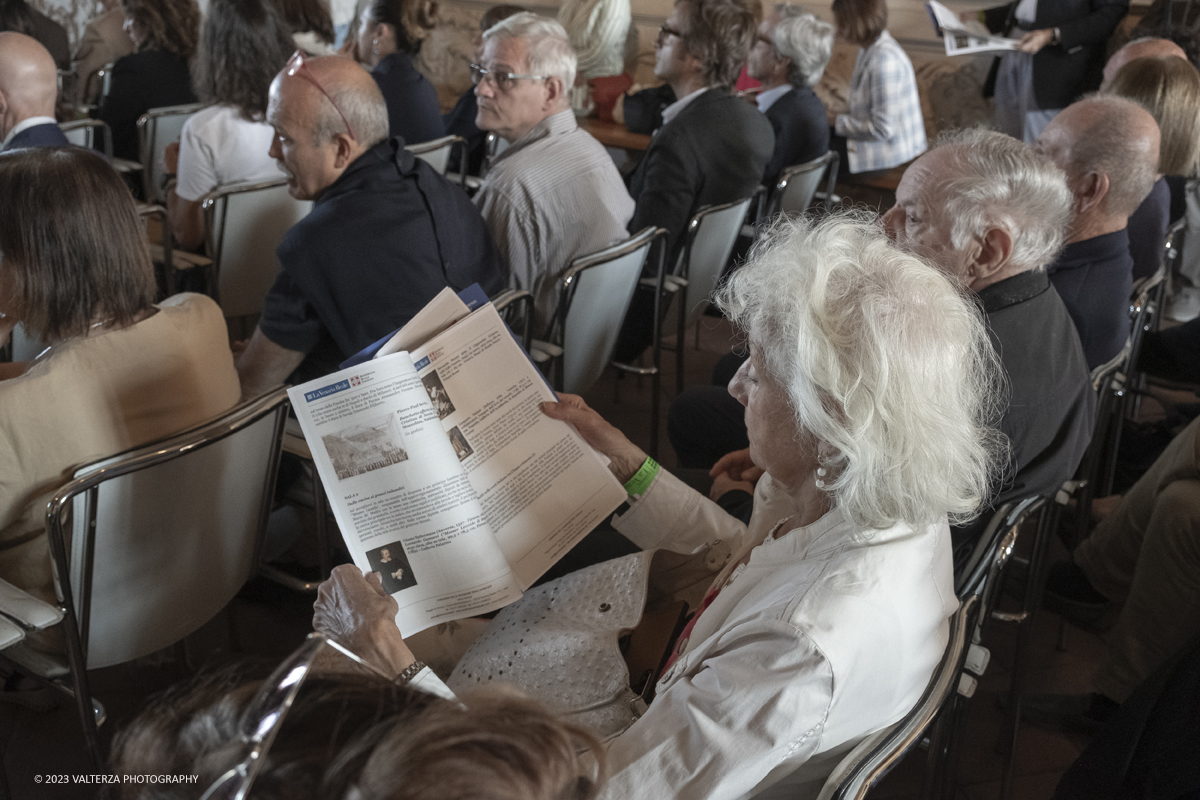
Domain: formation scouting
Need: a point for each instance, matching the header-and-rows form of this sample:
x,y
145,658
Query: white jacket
x,y
828,634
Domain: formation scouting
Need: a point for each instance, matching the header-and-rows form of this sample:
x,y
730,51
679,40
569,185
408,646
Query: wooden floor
x,y
267,621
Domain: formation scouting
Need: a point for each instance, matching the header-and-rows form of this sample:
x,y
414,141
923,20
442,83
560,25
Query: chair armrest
x,y
124,165
541,352
25,609
180,259
293,440
10,634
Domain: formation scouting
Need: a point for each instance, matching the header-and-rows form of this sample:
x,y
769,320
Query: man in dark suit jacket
x,y
789,57
1067,40
712,147
28,89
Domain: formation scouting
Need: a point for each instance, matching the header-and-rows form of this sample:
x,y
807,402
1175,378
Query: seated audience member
x,y
554,193
712,147
28,90
353,734
1139,565
829,612
390,35
118,373
17,16
1169,88
385,235
986,209
156,74
789,58
461,120
1108,146
311,25
884,127
104,41
230,140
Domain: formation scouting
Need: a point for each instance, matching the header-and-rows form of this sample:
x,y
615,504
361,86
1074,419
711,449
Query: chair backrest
x,y
879,752
493,146
797,185
83,132
165,536
711,235
594,294
246,222
436,152
104,75
158,128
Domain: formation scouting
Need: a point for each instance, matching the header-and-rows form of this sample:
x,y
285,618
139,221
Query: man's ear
x,y
345,150
1093,189
995,248
556,92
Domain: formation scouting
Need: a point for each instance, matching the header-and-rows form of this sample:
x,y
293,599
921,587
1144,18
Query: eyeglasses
x,y
665,30
501,80
263,718
298,69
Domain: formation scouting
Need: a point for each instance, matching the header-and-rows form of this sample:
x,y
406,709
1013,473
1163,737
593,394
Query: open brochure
x,y
442,471
959,39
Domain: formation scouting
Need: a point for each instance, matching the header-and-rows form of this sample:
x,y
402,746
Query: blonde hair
x,y
1169,88
882,357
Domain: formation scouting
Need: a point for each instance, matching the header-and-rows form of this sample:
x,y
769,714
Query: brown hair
x,y
860,21
170,25
349,729
720,34
497,14
413,20
245,43
303,16
1169,88
73,249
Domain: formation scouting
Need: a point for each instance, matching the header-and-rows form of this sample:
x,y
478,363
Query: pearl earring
x,y
821,473
374,47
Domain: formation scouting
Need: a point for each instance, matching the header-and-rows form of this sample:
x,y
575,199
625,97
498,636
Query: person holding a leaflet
x,y
822,620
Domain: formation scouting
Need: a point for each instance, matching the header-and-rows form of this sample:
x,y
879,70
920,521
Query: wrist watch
x,y
1056,36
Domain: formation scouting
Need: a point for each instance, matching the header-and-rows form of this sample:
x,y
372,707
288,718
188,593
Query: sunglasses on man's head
x,y
296,68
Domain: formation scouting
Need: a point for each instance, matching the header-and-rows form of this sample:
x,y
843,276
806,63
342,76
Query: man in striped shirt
x,y
554,193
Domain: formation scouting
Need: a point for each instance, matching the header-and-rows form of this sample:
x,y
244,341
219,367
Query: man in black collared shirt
x,y
385,235
1108,147
988,210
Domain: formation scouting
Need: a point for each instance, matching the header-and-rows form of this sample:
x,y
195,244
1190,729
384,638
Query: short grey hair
x,y
1107,146
883,357
550,51
365,110
1001,182
807,41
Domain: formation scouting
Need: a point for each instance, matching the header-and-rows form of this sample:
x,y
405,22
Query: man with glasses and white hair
x,y
990,211
554,193
789,58
386,232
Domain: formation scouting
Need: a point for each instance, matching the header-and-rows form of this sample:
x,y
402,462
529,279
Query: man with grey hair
x,y
554,193
788,58
386,232
1108,147
987,209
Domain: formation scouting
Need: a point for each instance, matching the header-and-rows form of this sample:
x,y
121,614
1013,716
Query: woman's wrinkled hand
x,y
355,611
626,456
739,466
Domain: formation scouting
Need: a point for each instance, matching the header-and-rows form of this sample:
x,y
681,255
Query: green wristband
x,y
641,480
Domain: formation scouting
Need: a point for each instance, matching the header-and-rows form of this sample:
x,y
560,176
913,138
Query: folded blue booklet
x,y
473,296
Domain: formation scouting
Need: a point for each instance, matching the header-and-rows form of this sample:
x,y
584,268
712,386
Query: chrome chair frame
x,y
215,236
77,623
830,162
147,125
448,142
91,126
516,306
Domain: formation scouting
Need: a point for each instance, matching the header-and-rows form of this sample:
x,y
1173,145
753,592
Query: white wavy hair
x,y
882,357
807,41
550,51
1000,182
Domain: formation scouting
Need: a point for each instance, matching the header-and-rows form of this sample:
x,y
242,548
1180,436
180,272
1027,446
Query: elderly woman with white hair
x,y
867,391
789,57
